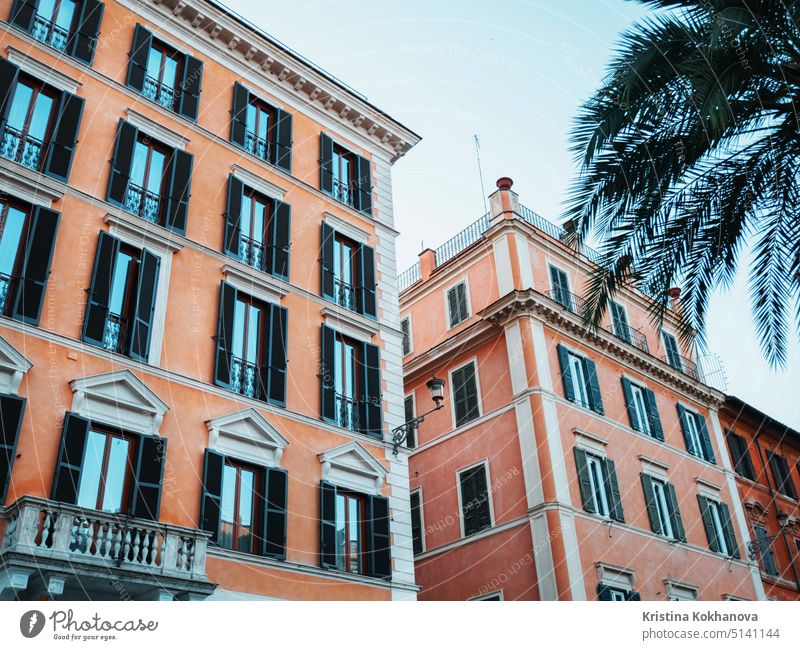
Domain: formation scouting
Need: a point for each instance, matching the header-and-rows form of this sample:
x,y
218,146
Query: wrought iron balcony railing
x,y
686,366
115,333
631,335
253,253
345,294
245,378
142,203
344,191
6,286
257,146
569,301
49,33
160,92
21,147
347,412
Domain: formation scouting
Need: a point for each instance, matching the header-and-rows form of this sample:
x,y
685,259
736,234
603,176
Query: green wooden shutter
x,y
326,262
22,13
368,303
708,523
603,592
100,289
283,140
566,373
371,395
656,430
121,161
211,499
765,550
233,215
327,373
465,394
143,311
740,454
326,163
730,535
224,352
672,352
416,523
275,491
148,478
364,185
632,415
683,416
675,513
12,409
67,477
620,322
327,517
584,483
40,240
612,491
191,82
379,551
140,51
180,184
281,234
61,149
241,98
274,352
84,39
595,398
650,503
705,439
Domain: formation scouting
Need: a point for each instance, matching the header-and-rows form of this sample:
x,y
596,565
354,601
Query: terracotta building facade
x,y
570,463
200,346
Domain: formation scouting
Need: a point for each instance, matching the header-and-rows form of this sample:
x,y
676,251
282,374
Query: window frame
x,y
38,87
251,302
552,266
474,361
338,154
168,152
643,413
418,491
411,396
768,542
409,337
361,500
166,51
580,385
599,492
6,203
258,477
260,107
109,433
489,497
662,500
626,335
467,302
665,336
340,240
715,515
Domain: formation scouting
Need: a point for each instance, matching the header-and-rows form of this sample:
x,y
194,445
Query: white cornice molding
x,y
351,466
13,366
346,228
654,467
349,323
156,130
258,183
246,435
590,441
27,185
254,283
708,489
42,72
143,232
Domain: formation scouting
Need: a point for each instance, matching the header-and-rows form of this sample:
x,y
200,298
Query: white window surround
x,y
465,281
118,399
551,263
346,228
640,406
349,323
655,468
13,367
246,435
708,489
408,318
261,286
42,72
680,590
662,508
351,466
597,484
258,183
155,130
590,442
474,362
489,596
485,464
31,187
616,577
716,522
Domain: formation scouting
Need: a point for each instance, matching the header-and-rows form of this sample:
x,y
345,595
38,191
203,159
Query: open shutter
x,y
191,81
84,40
12,408
70,459
210,504
22,13
604,592
8,78
683,416
94,323
633,595
65,136
326,263
372,391
274,512
179,189
326,164
379,554
274,351
619,322
708,524
282,148
142,326
327,525
233,215
281,227
656,429
364,194
121,162
566,374
326,373
650,502
241,98
587,496
368,303
452,306
632,415
140,51
595,398
39,245
705,439
675,513
222,360
146,493
612,491
730,535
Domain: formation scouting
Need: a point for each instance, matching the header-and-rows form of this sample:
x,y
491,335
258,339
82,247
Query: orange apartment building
x,y
200,348
570,463
766,458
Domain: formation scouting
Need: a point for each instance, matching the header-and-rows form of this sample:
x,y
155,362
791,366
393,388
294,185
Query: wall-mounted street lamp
x,y
400,434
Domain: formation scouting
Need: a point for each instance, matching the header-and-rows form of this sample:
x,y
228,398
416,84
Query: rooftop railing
x,y
462,240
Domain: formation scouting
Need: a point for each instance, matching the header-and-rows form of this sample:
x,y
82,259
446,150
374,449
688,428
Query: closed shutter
x,y
120,175
12,409
224,354
727,527
708,523
191,82
683,416
326,164
379,553
211,501
411,432
475,507
765,550
406,329
180,175
595,398
705,439
22,13
70,459
742,462
61,149
147,287
281,229
84,40
416,523
8,79
94,323
367,281
233,215
326,262
274,352
560,284
241,98
619,321
457,304
140,51
371,397
604,592
780,472
612,491
364,193
633,595
650,503
566,373
465,394
39,245
656,430
327,373
672,352
275,491
283,140
149,476
327,527
675,513
633,416
584,482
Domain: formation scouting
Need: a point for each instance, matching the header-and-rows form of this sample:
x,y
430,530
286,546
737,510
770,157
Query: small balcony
x,y
343,191
142,203
568,301
254,253
631,336
50,34
6,290
245,378
684,365
21,147
115,333
347,412
345,294
66,552
160,93
259,147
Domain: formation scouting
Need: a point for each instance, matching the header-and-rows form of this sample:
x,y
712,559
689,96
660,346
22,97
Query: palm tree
x,y
690,155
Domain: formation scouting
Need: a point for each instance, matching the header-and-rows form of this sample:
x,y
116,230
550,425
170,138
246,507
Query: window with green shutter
x,y
695,434
765,550
619,322
560,289
642,409
719,528
475,507
457,306
740,455
466,403
579,377
416,522
662,507
672,352
781,475
405,327
597,479
408,408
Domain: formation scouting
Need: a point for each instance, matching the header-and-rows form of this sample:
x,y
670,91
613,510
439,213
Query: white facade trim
x,y
42,72
708,489
502,257
349,323
590,441
254,283
655,468
349,230
352,466
525,265
615,576
30,187
155,130
246,435
258,183
13,367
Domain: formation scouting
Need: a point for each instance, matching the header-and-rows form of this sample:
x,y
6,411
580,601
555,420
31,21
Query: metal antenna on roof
x,y
480,172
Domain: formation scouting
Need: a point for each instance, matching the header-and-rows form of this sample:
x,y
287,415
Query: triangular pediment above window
x,y
352,466
119,399
246,435
13,367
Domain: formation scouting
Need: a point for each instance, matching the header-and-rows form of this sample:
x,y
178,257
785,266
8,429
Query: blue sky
x,y
515,73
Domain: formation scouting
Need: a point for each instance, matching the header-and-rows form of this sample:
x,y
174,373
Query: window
x,y
718,526
475,500
619,322
662,507
457,305
781,475
122,296
251,347
642,409
740,454
559,288
108,466
14,221
466,402
13,409
69,26
346,381
345,175
579,377
238,507
405,326
348,272
416,522
149,179
765,550
597,480
261,129
678,592
408,406
672,352
608,592
167,77
494,596
695,434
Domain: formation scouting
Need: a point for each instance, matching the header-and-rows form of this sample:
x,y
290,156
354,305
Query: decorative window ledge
x,y
680,590
590,441
352,466
156,130
13,367
349,322
43,72
29,185
346,228
708,489
143,233
654,467
246,435
258,183
253,282
615,576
